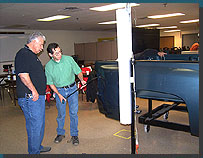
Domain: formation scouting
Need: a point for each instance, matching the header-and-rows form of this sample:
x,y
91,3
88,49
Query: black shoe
x,y
75,140
45,149
58,138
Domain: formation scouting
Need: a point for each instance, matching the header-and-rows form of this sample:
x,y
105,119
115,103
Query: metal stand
x,y
133,139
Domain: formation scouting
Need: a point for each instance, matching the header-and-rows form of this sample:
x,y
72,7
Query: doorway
x,y
166,41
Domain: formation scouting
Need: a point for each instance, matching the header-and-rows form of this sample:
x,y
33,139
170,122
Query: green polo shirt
x,y
61,73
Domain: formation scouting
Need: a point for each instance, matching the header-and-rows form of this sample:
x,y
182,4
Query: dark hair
x,y
52,46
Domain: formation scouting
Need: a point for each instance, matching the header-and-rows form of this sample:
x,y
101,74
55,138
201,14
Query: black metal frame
x,y
150,117
133,139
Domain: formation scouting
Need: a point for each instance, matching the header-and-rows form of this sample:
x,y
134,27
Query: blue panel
x,y
108,93
192,57
168,80
179,79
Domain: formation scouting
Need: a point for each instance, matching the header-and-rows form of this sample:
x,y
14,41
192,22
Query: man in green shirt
x,y
60,72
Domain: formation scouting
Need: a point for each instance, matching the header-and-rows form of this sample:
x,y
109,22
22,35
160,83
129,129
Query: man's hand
x,y
80,76
35,95
53,87
83,82
161,54
61,98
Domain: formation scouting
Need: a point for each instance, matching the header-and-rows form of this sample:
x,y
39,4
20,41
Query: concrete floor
x,y
96,133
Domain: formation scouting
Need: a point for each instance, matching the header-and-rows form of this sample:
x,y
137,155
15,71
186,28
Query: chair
x,y
1,94
3,87
7,68
11,85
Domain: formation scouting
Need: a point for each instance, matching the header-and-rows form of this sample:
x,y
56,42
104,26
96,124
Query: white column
x,y
124,41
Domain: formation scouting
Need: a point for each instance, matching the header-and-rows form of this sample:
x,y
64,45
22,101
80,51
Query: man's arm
x,y
25,78
53,87
80,76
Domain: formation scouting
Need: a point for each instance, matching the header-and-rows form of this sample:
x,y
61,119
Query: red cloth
x,y
85,69
85,75
48,93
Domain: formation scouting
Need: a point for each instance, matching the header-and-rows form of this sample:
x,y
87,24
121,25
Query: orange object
x,y
137,146
194,47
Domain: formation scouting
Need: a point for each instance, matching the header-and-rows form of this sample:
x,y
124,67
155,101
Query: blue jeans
x,y
73,110
34,112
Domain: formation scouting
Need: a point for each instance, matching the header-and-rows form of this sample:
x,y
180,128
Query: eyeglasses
x,y
58,53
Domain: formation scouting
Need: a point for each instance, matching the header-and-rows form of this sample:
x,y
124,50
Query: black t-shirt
x,y
27,62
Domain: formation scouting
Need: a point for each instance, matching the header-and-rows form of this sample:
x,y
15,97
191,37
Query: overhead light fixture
x,y
189,21
167,27
52,18
112,7
148,25
165,15
172,31
108,22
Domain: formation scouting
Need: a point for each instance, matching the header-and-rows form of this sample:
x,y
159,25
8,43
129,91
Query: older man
x,y
31,87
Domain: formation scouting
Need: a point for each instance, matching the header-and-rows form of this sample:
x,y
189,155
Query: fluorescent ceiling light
x,y
167,27
52,18
147,25
113,6
172,31
108,22
165,15
189,21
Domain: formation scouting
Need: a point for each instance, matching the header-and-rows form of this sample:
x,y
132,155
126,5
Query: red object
x,y
85,72
48,93
85,69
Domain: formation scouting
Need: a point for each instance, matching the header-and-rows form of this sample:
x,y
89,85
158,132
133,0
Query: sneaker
x,y
45,149
75,140
58,138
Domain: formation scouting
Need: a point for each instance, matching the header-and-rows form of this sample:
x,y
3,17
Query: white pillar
x,y
124,42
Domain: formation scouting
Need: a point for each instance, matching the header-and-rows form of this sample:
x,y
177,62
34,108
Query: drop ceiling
x,y
24,15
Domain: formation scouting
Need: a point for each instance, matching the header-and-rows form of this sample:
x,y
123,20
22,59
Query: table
x,y
2,86
12,85
2,77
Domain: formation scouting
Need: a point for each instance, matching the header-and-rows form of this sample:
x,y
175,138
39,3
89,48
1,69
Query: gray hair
x,y
34,36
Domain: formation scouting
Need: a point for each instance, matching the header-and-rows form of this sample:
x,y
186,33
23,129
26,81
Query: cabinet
x,y
90,51
79,51
104,50
94,51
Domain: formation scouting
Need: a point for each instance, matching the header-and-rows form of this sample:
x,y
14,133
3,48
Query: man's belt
x,y
68,86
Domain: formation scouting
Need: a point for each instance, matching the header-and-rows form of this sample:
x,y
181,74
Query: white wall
x,y
65,39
